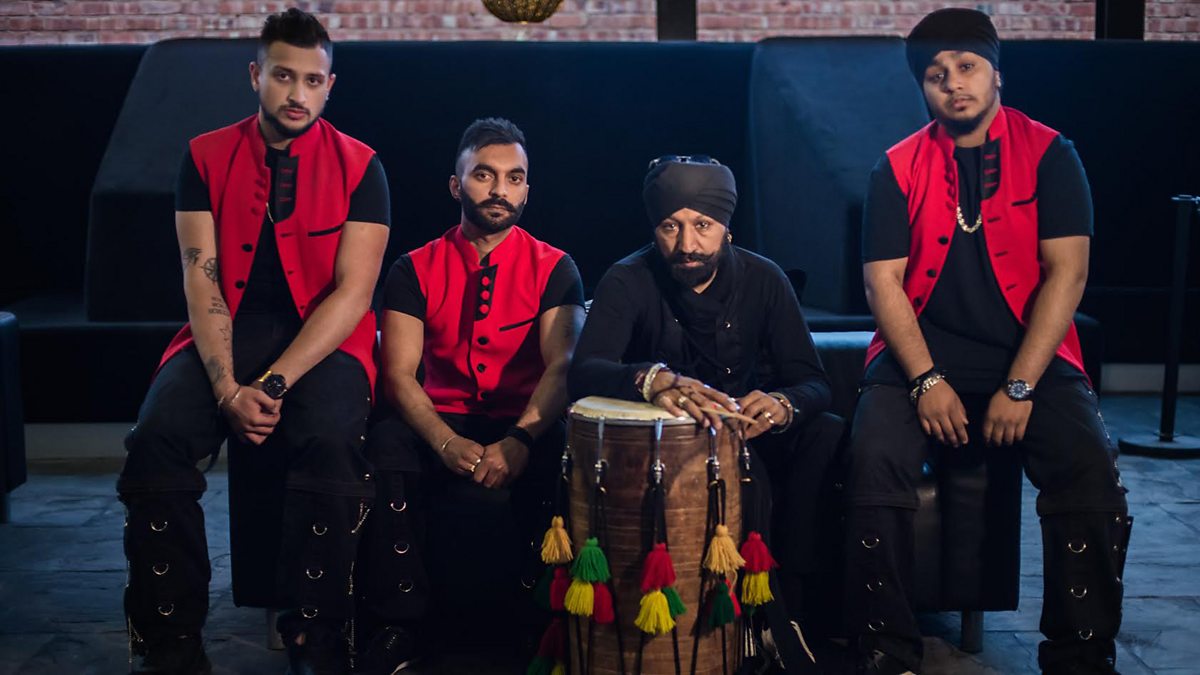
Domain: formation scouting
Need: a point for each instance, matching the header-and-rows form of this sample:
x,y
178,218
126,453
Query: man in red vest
x,y
282,223
975,243
492,316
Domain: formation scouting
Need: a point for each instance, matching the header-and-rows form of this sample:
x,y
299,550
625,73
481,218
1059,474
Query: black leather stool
x,y
968,525
12,417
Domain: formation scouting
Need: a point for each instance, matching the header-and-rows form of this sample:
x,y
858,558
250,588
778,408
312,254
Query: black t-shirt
x,y
402,292
266,289
971,333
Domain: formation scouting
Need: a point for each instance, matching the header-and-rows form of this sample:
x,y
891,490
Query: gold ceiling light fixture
x,y
522,11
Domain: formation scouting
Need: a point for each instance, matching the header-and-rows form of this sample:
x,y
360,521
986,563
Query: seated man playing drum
x,y
697,326
492,315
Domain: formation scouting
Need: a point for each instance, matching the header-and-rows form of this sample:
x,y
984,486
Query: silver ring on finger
x,y
683,398
476,464
770,418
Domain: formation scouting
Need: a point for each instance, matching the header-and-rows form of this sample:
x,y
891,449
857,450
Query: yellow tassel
x,y
723,557
579,598
654,615
556,544
756,589
559,669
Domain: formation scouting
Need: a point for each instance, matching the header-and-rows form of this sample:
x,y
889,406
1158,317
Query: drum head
x,y
623,413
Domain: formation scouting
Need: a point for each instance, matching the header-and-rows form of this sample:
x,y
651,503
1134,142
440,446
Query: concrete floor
x,y
62,569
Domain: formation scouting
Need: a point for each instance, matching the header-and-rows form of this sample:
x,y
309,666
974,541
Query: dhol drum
x,y
622,439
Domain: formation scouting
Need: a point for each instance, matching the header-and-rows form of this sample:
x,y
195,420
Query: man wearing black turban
x,y
692,323
975,246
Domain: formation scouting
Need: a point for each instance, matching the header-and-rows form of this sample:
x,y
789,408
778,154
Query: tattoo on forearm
x,y
215,369
226,333
219,307
191,256
211,270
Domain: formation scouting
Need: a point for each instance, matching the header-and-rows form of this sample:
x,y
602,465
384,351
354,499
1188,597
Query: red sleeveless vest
x,y
482,347
928,176
232,163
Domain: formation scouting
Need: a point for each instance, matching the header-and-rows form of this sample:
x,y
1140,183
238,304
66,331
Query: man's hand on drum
x,y
681,395
766,410
462,455
502,462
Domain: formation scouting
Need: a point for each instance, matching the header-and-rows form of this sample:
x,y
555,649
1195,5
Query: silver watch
x,y
1018,390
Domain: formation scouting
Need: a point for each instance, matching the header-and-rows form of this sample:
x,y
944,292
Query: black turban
x,y
707,188
955,30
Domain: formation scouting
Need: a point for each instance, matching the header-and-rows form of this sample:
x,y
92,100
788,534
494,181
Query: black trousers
x,y
327,490
441,551
1068,457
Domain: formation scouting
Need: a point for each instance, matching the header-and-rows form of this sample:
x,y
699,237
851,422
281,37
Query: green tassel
x,y
722,607
674,602
540,665
541,592
591,565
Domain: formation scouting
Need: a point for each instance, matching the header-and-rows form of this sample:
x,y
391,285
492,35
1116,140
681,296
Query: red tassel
x,y
758,557
553,644
658,571
602,604
558,588
737,606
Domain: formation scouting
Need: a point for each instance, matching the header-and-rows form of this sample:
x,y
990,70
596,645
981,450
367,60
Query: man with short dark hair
x,y
697,326
492,315
976,232
282,222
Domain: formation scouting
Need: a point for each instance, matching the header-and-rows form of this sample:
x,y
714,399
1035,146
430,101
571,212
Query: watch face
x,y
1019,390
275,386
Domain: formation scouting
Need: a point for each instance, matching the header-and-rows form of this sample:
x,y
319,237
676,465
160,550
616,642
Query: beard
x,y
283,130
475,213
963,127
692,277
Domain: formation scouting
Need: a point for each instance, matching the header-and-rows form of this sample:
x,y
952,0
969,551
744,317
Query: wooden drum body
x,y
629,430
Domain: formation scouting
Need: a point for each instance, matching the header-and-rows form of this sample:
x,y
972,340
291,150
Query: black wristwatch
x,y
273,385
1018,390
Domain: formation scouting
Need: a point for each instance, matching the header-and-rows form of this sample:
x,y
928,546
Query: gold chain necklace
x,y
962,223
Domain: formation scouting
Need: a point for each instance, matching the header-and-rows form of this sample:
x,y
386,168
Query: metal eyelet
x,y
314,575
319,529
309,612
401,547
876,625
158,528
170,609
160,568
874,585
1117,520
406,586
528,583
399,509
870,542
1077,548
1085,634
1079,592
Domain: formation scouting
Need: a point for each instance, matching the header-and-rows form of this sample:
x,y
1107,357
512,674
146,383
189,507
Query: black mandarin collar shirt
x,y
749,334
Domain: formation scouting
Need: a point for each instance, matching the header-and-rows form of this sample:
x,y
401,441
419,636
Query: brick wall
x,y
143,21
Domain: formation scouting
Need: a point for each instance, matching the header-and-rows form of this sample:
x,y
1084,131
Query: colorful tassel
x,y
674,602
551,650
654,615
756,589
558,588
559,669
556,543
541,592
722,556
737,607
757,556
579,598
721,611
540,665
658,571
602,604
591,565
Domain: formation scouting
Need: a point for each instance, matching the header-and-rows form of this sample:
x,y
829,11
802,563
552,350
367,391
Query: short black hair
x,y
489,131
295,27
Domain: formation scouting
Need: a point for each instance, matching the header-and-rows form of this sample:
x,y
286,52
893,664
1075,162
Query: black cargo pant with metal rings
x,y
328,486
1067,455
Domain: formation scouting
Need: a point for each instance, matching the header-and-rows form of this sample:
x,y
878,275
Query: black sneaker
x,y
183,655
876,662
390,651
323,649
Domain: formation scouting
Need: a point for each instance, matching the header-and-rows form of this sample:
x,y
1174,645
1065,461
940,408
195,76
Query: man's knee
x,y
161,456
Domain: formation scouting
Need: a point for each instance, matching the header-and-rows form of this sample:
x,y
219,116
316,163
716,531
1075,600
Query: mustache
x,y
298,108
496,201
680,257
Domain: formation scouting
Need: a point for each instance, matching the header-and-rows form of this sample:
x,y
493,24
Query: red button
x,y
483,309
485,295
486,281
